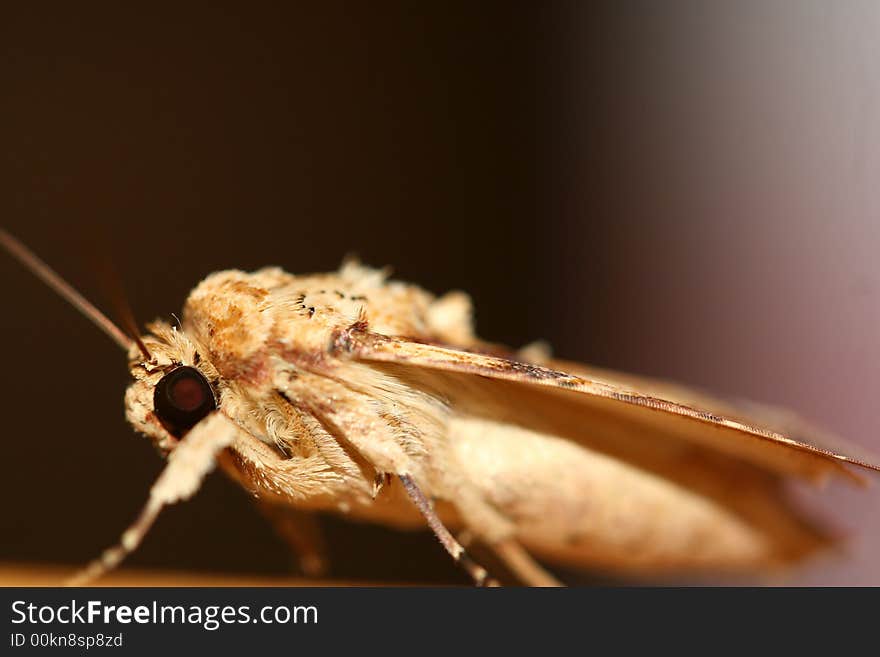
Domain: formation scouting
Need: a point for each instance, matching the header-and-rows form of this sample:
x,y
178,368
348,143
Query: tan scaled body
x,y
350,393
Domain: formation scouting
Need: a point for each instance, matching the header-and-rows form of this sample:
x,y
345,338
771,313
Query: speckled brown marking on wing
x,y
365,345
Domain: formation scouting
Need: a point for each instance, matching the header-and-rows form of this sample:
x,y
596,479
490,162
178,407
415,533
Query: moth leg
x,y
188,464
453,547
302,533
517,558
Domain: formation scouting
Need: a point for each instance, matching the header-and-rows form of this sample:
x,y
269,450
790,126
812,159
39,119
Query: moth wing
x,y
776,420
629,406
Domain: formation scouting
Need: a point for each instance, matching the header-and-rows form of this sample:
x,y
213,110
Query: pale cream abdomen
x,y
575,505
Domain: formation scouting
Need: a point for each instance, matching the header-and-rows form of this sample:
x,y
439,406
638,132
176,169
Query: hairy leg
x,y
453,547
188,464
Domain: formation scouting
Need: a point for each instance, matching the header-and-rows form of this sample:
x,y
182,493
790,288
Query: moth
x,y
351,393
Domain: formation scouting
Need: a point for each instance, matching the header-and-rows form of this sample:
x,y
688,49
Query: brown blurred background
x,y
683,190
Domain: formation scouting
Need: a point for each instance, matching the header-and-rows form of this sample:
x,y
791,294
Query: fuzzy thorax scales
x,y
244,320
317,429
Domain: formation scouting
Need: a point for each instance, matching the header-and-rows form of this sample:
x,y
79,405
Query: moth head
x,y
172,391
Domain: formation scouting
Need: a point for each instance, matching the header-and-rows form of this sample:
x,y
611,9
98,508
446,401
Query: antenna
x,y
42,271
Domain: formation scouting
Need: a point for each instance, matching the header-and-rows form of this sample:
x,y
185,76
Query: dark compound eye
x,y
182,398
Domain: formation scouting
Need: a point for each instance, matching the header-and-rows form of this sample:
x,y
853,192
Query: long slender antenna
x,y
30,260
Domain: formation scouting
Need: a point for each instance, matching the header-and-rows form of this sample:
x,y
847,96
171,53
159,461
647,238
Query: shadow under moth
x,y
351,393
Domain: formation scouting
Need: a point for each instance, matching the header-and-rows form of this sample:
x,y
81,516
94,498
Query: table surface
x,y
38,574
